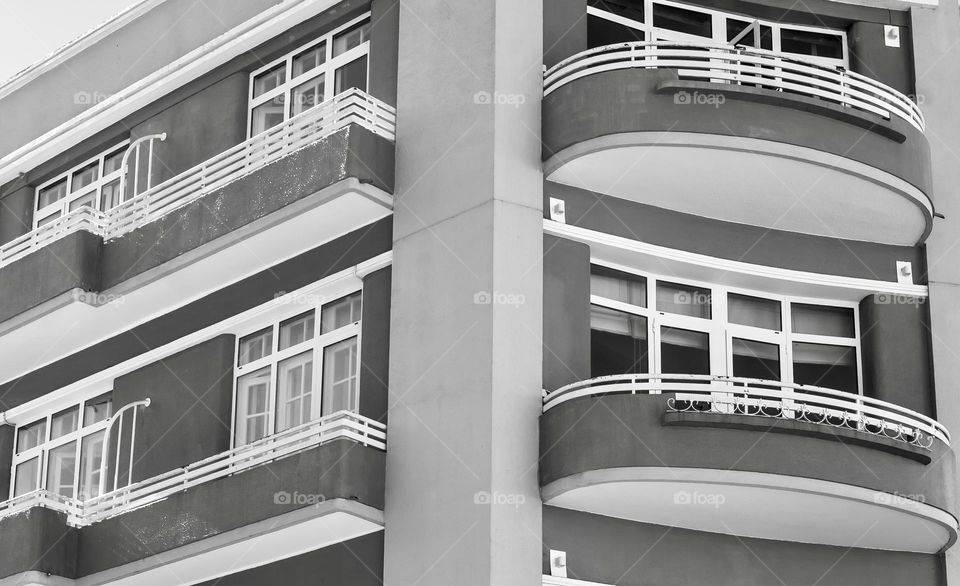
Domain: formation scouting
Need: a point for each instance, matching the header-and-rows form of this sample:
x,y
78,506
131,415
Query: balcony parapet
x,y
764,398
729,64
340,425
350,107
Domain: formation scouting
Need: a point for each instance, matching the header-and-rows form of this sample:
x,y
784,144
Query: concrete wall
x,y
564,30
870,55
38,540
895,344
614,551
6,459
16,211
375,345
740,242
290,275
384,44
188,420
357,562
566,312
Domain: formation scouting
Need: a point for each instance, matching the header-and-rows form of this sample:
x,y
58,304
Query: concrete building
x,y
500,292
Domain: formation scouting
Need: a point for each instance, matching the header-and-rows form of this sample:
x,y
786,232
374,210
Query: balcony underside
x,y
758,157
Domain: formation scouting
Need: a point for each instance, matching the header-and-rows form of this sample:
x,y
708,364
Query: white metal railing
x,y
342,424
350,107
741,65
765,398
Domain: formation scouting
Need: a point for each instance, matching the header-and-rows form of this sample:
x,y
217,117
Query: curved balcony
x,y
727,455
743,135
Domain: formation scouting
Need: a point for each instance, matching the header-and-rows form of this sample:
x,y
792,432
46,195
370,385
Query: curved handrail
x,y
721,63
759,389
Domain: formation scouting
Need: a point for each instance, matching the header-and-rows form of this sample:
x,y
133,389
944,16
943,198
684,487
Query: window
x,y
610,22
63,452
94,184
310,75
711,330
279,366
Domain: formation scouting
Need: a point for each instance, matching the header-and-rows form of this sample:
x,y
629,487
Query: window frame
x,y
316,345
61,207
722,331
719,20
328,69
43,449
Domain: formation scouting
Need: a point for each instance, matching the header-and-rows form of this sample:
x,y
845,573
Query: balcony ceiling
x,y
749,181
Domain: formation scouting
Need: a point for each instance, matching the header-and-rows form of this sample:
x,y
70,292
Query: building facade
x,y
571,293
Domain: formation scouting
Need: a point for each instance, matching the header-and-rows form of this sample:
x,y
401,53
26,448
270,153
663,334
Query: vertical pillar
x,y
462,500
937,53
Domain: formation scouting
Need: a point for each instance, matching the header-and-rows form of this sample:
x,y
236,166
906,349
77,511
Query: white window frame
x,y
328,69
61,207
722,331
317,344
719,26
43,449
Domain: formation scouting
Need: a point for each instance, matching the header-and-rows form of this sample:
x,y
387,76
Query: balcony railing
x,y
350,107
340,425
741,65
764,398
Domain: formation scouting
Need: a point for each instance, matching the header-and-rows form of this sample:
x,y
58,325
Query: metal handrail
x,y
730,64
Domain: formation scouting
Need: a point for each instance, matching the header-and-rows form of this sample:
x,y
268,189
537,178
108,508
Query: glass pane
x,y
269,80
756,359
342,312
61,465
340,377
110,195
309,59
52,194
683,300
618,342
266,116
28,476
89,200
352,75
822,320
85,177
253,392
96,410
112,162
64,422
91,460
352,38
307,95
296,330
735,27
48,219
690,22
811,43
601,31
619,286
754,311
295,391
31,436
833,367
255,346
684,351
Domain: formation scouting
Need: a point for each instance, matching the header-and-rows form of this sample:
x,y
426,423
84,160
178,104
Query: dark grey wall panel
x,y
188,419
626,101
290,275
751,244
870,56
16,211
614,551
38,540
6,459
384,48
566,312
564,30
72,262
339,469
626,431
375,345
895,343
